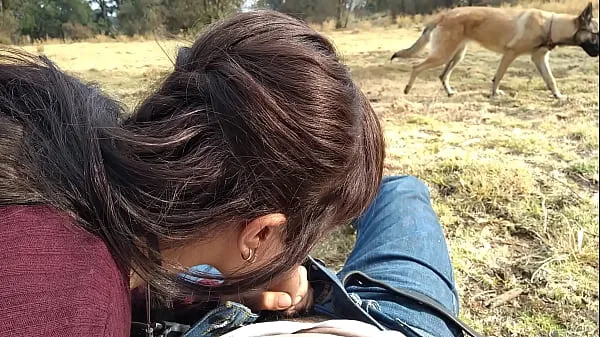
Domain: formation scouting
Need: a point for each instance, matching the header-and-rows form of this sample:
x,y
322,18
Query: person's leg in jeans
x,y
400,242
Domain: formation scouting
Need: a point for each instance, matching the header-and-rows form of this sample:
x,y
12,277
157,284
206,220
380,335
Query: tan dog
x,y
511,32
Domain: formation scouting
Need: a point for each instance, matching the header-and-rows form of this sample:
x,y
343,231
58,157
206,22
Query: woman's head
x,y
259,120
255,145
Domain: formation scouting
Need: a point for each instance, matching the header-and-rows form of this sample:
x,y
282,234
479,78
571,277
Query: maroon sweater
x,y
57,279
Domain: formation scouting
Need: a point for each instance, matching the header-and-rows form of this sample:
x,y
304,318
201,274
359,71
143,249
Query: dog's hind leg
x,y
444,43
507,59
429,63
540,59
445,75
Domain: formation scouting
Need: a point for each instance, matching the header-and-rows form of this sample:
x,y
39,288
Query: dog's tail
x,y
419,45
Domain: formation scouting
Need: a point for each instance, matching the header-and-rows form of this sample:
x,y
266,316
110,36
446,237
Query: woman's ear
x,y
260,232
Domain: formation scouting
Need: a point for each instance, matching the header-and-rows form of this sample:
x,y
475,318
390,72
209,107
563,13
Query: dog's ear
x,y
588,14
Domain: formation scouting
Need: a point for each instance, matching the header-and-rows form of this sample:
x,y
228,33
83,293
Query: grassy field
x,y
514,179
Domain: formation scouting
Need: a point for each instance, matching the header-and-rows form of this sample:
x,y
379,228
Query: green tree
x,y
343,9
105,12
183,15
271,4
45,18
138,17
9,27
315,11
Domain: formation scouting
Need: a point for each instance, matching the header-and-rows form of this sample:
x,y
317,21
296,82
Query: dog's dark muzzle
x,y
591,46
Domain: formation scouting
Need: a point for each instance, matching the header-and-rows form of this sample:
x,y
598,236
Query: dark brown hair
x,y
258,116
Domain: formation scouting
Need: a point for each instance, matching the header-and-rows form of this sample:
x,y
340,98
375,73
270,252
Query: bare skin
x,y
258,242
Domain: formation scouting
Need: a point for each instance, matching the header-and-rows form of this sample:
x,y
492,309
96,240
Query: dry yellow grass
x,y
514,180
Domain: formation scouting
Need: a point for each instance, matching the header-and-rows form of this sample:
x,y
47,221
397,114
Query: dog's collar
x,y
549,43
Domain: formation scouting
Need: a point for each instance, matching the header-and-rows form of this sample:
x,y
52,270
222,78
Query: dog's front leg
x,y
507,58
540,59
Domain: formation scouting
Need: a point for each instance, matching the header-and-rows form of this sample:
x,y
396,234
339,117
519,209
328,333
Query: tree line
x,y
317,11
82,19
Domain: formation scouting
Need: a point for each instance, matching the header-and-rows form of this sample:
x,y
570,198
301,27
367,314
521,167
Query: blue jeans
x,y
399,242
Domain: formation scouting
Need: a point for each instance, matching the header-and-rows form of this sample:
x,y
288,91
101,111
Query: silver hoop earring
x,y
251,256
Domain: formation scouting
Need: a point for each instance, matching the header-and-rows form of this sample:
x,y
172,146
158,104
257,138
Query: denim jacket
x,y
225,318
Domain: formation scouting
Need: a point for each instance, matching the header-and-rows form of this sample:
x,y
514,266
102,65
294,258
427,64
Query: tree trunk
x,y
339,14
346,18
